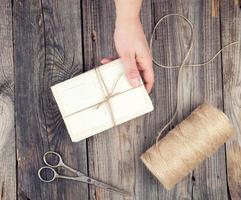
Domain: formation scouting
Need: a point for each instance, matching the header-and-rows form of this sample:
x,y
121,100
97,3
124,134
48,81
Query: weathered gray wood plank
x,y
104,150
7,130
63,43
146,186
31,134
48,50
211,180
231,31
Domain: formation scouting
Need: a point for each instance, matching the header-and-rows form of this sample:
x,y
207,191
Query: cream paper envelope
x,y
79,101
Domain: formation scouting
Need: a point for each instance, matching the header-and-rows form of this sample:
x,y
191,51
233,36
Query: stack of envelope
x,y
86,110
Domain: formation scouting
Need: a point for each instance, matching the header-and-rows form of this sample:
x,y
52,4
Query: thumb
x,y
131,71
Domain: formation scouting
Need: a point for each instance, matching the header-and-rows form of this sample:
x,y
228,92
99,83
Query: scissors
x,y
79,175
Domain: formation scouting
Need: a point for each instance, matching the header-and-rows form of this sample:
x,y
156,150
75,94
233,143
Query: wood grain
x,y
53,40
210,178
146,186
7,130
48,50
110,153
231,31
215,8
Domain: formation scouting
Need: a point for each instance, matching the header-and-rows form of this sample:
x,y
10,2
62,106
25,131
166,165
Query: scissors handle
x,y
52,175
58,162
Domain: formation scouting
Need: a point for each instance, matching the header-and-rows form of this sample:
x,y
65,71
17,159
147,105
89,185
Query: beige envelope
x,y
77,96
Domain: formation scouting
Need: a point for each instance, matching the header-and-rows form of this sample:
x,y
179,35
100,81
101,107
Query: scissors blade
x,y
88,180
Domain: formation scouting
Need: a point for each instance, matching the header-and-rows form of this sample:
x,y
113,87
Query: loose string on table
x,y
183,63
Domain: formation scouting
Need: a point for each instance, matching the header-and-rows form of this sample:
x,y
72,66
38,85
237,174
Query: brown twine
x,y
188,144
107,95
194,139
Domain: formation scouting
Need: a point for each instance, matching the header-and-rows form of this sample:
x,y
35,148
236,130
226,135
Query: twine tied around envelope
x,y
107,95
110,94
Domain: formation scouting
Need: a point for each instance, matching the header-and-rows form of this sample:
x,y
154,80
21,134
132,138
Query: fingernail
x,y
135,82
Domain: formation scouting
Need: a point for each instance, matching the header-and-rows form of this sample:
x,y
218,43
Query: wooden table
x,y
43,42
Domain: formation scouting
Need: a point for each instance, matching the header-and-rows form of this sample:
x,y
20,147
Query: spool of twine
x,y
188,144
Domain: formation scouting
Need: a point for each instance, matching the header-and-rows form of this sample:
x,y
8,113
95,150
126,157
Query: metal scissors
x,y
79,175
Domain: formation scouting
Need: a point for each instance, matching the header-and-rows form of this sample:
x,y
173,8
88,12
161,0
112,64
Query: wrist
x,y
127,11
127,19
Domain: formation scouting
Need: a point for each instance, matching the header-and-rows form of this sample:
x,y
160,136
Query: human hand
x,y
132,47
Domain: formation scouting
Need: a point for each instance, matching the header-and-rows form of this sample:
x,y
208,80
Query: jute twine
x,y
108,94
194,139
188,144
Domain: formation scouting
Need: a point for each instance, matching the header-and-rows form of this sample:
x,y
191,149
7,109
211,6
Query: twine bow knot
x,y
109,94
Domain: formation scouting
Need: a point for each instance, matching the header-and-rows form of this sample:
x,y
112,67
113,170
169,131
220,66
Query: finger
x,y
148,77
147,74
107,60
131,70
